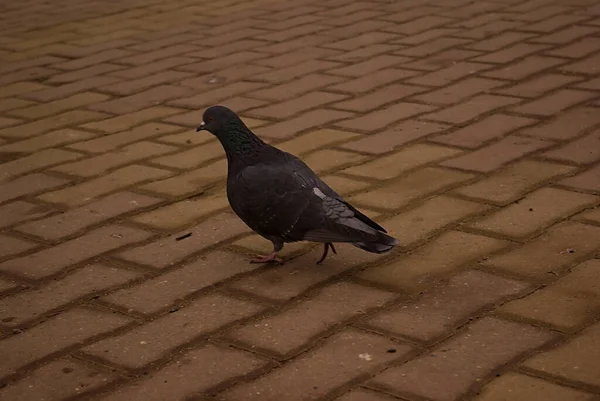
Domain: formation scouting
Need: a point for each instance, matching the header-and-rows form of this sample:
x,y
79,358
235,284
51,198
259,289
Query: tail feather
x,y
384,243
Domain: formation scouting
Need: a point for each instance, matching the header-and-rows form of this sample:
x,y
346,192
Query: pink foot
x,y
267,258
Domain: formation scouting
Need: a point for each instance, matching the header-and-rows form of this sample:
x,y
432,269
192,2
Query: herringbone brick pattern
x,y
469,129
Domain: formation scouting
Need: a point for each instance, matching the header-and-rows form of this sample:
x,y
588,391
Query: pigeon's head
x,y
215,118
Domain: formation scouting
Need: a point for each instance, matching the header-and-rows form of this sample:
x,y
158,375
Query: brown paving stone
x,y
419,184
119,179
478,133
408,158
35,303
576,360
79,100
586,180
28,184
442,256
371,81
584,150
512,182
552,104
396,136
20,88
550,253
60,379
142,100
566,125
448,371
567,303
53,260
36,161
338,302
165,290
69,118
296,87
344,356
67,329
150,341
74,220
315,140
523,69
12,246
534,212
18,211
374,100
538,85
167,251
83,73
497,154
449,74
328,159
297,105
446,307
471,109
365,395
127,121
180,378
383,117
311,119
519,387
49,140
458,91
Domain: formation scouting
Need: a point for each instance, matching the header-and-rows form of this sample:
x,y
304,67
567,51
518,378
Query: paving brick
x,y
383,117
12,103
147,57
55,380
35,303
286,74
336,303
93,59
466,358
499,41
179,214
9,122
315,140
153,67
449,252
420,184
191,182
29,74
555,102
514,181
10,246
18,211
497,154
446,307
552,24
534,212
519,387
164,291
550,253
344,356
227,364
83,73
127,121
166,252
79,100
522,69
449,74
371,81
100,164
458,91
28,184
584,150
69,118
217,95
137,85
49,140
362,53
566,304
55,259
20,350
328,159
141,100
361,394
589,65
296,87
471,109
20,88
153,340
74,220
577,360
119,179
370,66
587,180
567,125
297,105
592,215
378,98
310,119
36,161
511,53
539,85
394,137
406,159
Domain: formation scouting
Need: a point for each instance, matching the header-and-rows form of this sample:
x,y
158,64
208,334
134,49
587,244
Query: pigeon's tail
x,y
384,243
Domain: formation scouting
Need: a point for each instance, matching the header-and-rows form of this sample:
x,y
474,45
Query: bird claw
x,y
267,259
326,251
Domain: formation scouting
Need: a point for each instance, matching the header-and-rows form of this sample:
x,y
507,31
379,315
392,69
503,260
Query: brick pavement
x,y
470,129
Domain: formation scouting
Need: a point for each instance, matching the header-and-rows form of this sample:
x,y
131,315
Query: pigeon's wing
x,y
285,201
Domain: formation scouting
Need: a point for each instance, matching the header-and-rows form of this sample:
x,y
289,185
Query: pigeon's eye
x,y
210,118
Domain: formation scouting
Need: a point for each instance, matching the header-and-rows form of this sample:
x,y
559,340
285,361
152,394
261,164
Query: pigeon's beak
x,y
201,127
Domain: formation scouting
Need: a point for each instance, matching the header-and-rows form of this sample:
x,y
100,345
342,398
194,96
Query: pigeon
x,y
280,198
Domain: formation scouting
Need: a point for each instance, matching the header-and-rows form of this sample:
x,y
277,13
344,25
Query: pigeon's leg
x,y
277,246
327,245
